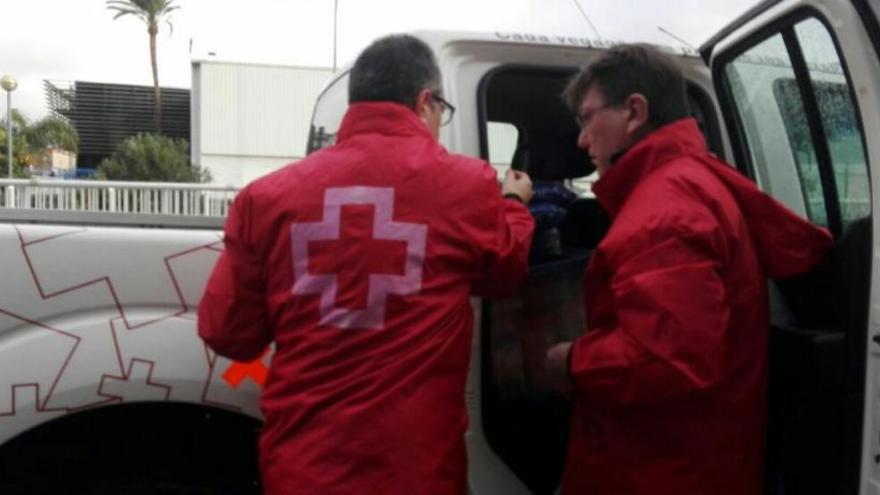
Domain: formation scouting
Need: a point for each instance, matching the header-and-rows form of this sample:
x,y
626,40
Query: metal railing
x,y
145,198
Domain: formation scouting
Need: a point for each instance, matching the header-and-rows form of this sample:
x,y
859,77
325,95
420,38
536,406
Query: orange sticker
x,y
239,372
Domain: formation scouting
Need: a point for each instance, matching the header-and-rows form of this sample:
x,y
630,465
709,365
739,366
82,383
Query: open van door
x,y
798,82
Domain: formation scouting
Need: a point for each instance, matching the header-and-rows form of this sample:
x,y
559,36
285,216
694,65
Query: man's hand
x,y
557,368
519,183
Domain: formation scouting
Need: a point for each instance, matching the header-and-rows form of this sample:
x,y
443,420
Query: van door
x,y
799,86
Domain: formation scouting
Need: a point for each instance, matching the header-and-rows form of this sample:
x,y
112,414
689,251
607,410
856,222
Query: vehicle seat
x,y
584,225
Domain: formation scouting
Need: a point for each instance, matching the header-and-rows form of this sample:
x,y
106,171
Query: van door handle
x,y
876,338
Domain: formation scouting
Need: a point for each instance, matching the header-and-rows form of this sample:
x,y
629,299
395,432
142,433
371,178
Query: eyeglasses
x,y
583,119
447,109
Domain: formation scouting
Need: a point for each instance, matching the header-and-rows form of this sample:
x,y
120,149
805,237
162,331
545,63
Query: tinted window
x,y
839,119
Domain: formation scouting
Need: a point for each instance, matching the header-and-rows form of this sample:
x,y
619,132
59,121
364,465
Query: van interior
x,y
525,423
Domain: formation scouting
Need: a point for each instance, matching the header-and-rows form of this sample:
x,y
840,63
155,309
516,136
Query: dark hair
x,y
394,68
635,68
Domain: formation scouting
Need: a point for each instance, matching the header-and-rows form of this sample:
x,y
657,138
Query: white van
x,y
105,387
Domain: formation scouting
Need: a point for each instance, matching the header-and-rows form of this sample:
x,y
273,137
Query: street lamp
x,y
9,84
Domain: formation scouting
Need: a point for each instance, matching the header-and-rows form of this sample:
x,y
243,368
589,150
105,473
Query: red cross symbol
x,y
355,256
255,370
353,278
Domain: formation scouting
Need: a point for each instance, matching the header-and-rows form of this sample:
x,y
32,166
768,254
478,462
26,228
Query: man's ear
x,y
639,117
423,102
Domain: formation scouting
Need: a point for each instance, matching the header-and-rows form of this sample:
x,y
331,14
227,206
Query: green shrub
x,y
149,157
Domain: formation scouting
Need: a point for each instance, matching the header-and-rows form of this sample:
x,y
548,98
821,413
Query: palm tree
x,y
152,12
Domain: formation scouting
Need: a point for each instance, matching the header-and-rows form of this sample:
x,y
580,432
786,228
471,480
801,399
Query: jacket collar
x,y
674,140
392,119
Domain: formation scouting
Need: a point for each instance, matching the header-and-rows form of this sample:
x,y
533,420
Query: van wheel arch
x,y
150,447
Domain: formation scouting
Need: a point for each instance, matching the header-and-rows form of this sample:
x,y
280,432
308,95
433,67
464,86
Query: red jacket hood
x,y
787,244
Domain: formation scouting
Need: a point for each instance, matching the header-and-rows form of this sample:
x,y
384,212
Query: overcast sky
x,y
70,40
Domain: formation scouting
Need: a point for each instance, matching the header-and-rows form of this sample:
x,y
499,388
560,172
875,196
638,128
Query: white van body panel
x,y
94,316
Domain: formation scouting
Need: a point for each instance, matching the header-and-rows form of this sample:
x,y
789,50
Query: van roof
x,y
438,39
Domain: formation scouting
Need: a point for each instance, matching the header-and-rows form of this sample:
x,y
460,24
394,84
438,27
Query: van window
x,y
759,84
839,119
791,108
791,88
329,111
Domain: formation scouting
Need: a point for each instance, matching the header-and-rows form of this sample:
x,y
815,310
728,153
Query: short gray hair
x,y
394,68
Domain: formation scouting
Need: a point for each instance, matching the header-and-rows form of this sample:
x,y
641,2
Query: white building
x,y
250,119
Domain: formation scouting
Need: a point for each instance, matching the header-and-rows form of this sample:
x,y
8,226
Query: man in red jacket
x,y
670,380
358,263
